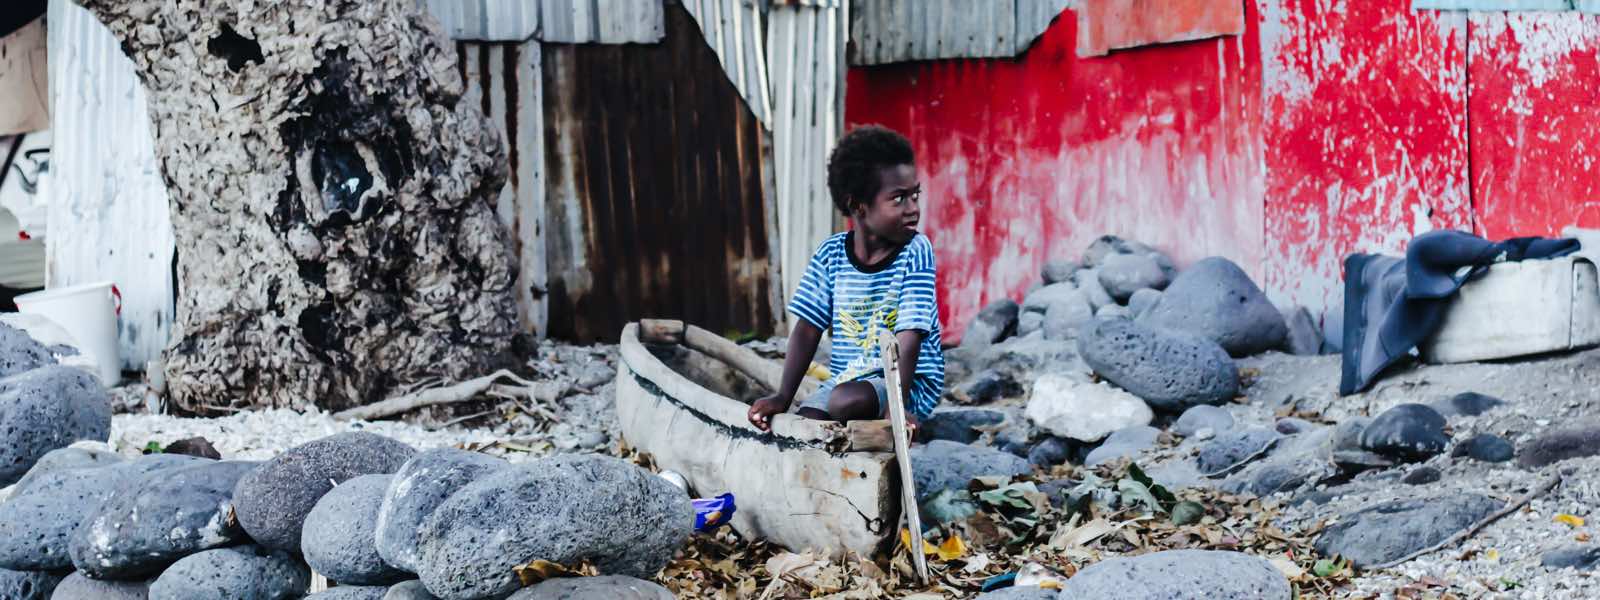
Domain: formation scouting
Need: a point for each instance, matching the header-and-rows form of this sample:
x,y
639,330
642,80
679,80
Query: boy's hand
x,y
762,410
912,424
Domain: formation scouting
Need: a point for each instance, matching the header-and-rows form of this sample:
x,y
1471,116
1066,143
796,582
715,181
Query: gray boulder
x,y
1422,476
1205,416
47,408
1304,337
1555,446
1088,281
338,539
77,586
272,501
1582,558
609,587
1232,448
995,322
1407,432
64,459
1388,531
37,524
1124,274
1468,404
1026,592
987,386
1050,451
959,424
28,585
352,592
237,572
1124,443
1029,322
1291,425
159,519
418,488
1210,574
20,353
1217,300
1272,479
1040,300
1107,246
1113,311
563,509
1141,301
943,465
1059,270
1485,447
1065,317
409,590
1170,370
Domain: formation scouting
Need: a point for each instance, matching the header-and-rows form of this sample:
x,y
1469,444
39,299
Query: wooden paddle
x,y
890,349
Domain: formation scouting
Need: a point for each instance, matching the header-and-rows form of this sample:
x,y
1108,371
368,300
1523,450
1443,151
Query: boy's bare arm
x,y
803,342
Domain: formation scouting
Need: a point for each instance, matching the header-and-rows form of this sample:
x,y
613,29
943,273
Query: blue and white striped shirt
x,y
858,301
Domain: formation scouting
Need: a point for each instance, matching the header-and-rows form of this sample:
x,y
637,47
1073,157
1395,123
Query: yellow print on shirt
x,y
859,325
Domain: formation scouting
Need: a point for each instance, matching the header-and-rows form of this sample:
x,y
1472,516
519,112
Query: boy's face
x,y
893,214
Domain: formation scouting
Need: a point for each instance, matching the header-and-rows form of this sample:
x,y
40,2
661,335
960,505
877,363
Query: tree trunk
x,y
332,198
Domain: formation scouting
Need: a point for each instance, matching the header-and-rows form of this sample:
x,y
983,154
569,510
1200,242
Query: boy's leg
x,y
815,407
857,401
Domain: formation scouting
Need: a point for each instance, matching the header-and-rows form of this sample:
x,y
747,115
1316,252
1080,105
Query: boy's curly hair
x,y
854,164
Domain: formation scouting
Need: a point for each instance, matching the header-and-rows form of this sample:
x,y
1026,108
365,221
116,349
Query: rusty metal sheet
x,y
893,31
656,183
1105,25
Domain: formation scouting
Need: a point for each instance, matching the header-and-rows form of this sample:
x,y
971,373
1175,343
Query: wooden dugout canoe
x,y
806,485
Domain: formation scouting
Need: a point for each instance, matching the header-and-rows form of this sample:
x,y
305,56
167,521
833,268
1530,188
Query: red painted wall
x,y
1365,127
1535,117
1029,159
1328,127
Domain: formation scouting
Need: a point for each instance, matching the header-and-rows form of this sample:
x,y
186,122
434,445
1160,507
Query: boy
x,y
879,275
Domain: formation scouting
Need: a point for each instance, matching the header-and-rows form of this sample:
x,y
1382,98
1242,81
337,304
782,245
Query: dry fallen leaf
x,y
1572,520
1291,571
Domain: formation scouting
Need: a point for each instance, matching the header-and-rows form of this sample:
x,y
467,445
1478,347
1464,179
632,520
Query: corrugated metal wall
x,y
560,21
108,215
733,29
891,31
506,79
657,189
806,45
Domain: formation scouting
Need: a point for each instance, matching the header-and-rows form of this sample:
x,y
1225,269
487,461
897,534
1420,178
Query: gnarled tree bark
x,y
332,198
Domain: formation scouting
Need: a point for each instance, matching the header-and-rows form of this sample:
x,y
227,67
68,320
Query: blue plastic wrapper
x,y
711,513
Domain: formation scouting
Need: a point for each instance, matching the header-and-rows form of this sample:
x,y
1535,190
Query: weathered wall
x,y
1328,127
1535,121
657,189
1030,159
1366,136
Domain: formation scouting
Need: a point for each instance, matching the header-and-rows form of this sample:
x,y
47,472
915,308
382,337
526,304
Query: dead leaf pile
x,y
1011,526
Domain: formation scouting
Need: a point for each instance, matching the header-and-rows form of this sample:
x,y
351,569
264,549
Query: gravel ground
x,y
1502,560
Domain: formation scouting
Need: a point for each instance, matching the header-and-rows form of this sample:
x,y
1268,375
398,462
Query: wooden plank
x,y
889,349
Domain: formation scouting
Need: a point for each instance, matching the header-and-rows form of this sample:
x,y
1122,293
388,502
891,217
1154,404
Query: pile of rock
x,y
372,514
1107,345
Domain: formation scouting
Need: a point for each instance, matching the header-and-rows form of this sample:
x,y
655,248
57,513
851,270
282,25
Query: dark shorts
x,y
819,400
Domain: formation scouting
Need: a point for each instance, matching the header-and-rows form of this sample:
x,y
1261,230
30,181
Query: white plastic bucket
x,y
88,312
